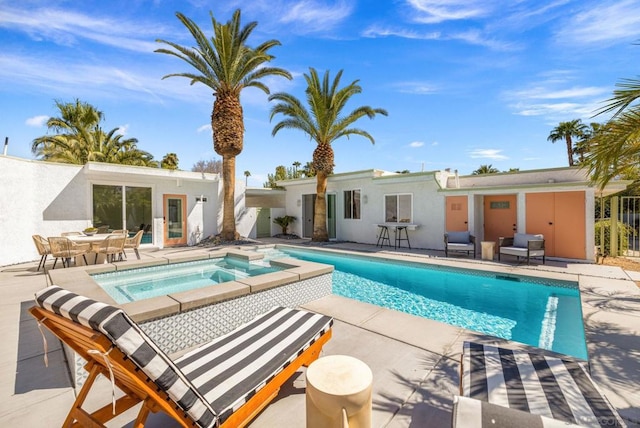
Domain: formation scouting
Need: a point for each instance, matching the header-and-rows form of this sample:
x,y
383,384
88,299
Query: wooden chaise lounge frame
x,y
96,349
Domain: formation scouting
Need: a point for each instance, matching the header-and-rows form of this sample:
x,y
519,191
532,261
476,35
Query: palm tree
x,y
169,161
77,138
615,148
583,146
227,65
247,174
296,165
485,169
566,131
324,122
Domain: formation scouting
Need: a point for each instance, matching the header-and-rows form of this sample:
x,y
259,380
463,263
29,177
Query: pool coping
x,y
79,280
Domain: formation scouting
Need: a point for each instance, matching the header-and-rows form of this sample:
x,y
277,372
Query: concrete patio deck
x,y
415,361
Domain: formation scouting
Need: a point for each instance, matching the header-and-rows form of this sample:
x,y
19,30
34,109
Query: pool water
x,y
547,315
137,284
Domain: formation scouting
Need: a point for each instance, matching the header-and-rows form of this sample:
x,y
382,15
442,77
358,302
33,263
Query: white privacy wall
x,y
38,198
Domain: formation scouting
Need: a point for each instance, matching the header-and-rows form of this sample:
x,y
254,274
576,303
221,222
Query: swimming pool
x,y
143,283
546,314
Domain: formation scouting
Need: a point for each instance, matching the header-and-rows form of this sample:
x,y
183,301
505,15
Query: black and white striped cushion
x,y
535,383
472,413
132,341
232,368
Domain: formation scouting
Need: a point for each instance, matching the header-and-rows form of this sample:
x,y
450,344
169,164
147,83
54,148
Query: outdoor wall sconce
x,y
365,199
298,202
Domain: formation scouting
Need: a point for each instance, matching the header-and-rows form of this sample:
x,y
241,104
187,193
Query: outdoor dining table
x,y
91,239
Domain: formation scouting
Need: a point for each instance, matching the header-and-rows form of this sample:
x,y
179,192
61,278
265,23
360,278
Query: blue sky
x,y
465,82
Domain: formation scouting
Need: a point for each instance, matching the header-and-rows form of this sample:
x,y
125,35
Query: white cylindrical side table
x,y
488,249
338,391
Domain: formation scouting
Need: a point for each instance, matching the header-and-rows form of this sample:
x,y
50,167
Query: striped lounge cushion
x,y
114,323
472,413
232,368
535,383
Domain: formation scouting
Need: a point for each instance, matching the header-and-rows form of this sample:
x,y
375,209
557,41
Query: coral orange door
x,y
456,214
560,217
500,216
540,212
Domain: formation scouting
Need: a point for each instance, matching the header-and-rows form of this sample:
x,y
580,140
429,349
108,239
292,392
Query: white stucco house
x,y
557,202
47,198
181,207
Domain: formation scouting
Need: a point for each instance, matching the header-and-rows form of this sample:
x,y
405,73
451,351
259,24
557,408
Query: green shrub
x,y
623,237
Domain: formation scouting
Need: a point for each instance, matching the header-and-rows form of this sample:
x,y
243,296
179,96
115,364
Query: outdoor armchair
x,y
459,241
522,245
133,243
223,383
110,246
42,245
65,249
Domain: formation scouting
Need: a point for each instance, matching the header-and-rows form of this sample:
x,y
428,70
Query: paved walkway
x,y
414,360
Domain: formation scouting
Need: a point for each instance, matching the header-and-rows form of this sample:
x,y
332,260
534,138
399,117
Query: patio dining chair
x,y
110,246
42,245
224,383
71,234
65,249
133,243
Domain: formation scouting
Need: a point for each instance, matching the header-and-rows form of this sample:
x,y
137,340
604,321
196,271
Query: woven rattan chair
x,y
71,234
110,246
42,245
133,243
224,383
65,249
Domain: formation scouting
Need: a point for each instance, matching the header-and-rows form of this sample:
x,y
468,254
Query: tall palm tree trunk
x,y
229,184
320,216
569,149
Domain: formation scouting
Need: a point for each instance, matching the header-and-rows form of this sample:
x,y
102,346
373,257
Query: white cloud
x,y
556,97
204,128
436,11
416,144
84,79
574,92
66,27
311,16
378,31
122,129
419,88
37,121
487,154
603,23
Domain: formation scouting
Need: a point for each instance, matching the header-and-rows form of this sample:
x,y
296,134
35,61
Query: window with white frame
x,y
398,208
352,204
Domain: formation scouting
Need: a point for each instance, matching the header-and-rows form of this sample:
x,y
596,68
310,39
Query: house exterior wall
x,y
427,203
429,191
47,198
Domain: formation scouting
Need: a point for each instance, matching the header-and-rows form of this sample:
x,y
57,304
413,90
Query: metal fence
x,y
618,226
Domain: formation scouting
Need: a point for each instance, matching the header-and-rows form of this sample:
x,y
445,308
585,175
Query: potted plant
x,y
284,222
89,231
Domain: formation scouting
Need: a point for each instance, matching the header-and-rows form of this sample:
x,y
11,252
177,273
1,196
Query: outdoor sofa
x,y
522,245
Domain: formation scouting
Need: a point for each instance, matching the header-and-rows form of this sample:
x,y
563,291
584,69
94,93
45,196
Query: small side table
x,y
338,390
488,249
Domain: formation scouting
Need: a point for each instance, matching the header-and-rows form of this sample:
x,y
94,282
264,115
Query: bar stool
x,y
399,238
383,235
